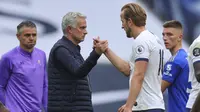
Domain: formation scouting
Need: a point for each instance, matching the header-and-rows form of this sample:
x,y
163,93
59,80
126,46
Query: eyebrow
x,y
30,34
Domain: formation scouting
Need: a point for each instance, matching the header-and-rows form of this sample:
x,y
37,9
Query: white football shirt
x,y
148,47
193,56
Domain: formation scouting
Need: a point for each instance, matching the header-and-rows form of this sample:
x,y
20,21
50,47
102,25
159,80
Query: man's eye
x,y
27,35
83,27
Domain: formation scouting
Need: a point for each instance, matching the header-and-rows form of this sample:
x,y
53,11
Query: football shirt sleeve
x,y
171,71
195,52
142,51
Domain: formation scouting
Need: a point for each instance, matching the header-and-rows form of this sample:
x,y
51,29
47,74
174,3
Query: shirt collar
x,y
23,52
71,44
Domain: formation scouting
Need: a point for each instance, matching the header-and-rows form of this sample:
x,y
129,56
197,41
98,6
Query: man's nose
x,y
31,37
85,32
164,37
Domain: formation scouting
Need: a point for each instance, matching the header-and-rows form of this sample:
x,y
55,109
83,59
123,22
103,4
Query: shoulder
x,y
60,44
180,58
195,44
9,55
39,51
194,49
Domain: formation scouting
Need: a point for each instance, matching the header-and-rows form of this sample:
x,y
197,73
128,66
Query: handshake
x,y
100,46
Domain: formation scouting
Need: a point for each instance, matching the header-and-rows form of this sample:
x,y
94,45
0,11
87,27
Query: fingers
x,y
100,43
121,109
97,40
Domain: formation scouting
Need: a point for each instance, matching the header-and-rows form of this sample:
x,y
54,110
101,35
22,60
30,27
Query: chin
x,y
128,36
81,40
168,48
31,46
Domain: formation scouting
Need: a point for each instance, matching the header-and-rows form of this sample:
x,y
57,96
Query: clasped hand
x,y
100,46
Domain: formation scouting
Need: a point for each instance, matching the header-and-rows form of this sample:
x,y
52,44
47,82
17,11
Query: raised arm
x,y
119,63
69,62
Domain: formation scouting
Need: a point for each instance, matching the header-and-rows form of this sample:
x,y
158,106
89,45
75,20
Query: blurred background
x,y
110,87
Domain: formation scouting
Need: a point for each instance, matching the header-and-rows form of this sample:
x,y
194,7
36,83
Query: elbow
x,y
125,71
139,77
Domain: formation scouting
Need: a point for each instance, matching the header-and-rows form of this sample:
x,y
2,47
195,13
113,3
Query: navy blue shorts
x,y
151,110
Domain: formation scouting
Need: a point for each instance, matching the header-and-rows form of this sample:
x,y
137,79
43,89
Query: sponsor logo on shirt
x,y
168,69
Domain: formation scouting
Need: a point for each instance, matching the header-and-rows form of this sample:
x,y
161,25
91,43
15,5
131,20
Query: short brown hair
x,y
136,13
172,24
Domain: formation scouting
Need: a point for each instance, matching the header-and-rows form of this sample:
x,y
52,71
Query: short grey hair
x,y
26,23
70,19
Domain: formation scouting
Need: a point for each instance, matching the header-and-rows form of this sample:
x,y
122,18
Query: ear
x,y
69,29
180,37
129,22
18,36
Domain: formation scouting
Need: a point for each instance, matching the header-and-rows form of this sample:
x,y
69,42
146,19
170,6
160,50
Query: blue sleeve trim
x,y
142,59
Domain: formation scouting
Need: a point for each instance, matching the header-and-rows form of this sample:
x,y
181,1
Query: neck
x,y
71,39
25,49
137,31
175,49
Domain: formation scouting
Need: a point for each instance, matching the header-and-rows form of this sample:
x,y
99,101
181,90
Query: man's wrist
x,y
130,105
97,51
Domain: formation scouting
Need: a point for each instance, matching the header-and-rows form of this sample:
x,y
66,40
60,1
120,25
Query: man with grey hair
x,y
23,77
69,89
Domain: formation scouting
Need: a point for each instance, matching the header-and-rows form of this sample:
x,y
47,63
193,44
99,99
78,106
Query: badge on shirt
x,y
39,62
140,49
169,67
196,52
168,70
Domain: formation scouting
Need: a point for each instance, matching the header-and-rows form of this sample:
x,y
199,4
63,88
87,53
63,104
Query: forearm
x,y
134,90
196,105
74,63
119,63
2,95
164,85
163,88
88,64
